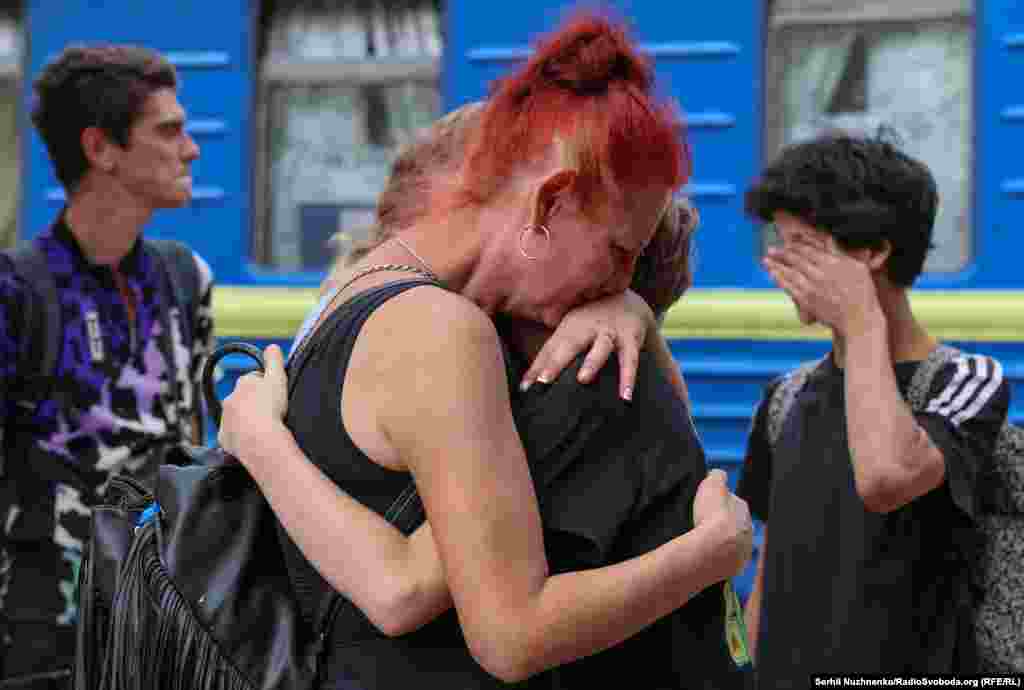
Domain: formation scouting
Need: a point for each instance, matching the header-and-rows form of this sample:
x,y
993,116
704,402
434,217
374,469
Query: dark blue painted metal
x,y
998,176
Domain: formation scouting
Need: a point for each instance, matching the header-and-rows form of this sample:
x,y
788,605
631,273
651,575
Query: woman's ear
x,y
558,182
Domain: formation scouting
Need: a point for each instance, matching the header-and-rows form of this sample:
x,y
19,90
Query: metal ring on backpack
x,y
212,402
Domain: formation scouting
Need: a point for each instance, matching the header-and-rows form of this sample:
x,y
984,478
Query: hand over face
x,y
826,284
619,322
256,406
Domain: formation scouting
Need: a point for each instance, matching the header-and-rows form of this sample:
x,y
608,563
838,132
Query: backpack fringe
x,y
156,641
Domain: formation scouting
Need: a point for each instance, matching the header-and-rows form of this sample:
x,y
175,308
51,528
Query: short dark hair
x,y
664,271
101,86
859,189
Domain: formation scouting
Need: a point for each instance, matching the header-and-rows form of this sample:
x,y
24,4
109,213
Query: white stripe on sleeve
x,y
970,387
962,369
986,393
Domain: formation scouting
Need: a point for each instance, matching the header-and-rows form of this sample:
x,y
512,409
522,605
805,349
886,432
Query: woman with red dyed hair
x,y
566,178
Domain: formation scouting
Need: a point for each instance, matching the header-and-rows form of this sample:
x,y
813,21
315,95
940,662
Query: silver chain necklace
x,y
424,264
375,268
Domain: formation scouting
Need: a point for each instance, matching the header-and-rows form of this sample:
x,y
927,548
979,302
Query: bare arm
x,y
399,582
469,467
461,445
400,585
894,460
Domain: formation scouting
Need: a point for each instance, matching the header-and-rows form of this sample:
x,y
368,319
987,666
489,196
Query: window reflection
x,y
345,85
912,76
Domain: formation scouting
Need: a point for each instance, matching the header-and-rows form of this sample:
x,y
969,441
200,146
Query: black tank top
x,y
357,651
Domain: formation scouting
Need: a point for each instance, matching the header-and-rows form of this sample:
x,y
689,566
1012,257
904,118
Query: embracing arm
x,y
396,581
622,323
400,584
459,439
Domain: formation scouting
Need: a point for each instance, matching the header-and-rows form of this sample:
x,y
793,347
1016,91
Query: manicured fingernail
x,y
627,393
584,375
544,378
524,385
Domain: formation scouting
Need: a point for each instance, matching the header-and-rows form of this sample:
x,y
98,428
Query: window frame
x,y
11,75
276,71
773,68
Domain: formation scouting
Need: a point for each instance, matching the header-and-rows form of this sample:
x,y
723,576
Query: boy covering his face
x,y
872,505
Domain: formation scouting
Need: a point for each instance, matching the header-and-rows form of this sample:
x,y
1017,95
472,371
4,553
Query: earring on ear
x,y
533,228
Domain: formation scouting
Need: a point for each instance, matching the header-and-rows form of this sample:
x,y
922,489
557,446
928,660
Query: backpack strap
x,y
40,329
179,266
784,395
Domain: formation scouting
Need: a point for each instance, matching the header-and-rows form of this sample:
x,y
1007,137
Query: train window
x,y
862,65
343,84
10,159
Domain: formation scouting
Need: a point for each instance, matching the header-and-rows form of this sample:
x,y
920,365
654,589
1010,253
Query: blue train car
x,y
298,106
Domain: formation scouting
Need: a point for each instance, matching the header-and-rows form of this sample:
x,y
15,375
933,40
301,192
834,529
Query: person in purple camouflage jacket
x,y
115,131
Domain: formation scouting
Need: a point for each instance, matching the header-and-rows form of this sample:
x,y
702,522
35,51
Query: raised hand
x,y
830,285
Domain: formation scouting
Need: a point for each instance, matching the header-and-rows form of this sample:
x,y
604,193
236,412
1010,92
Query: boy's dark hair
x,y
859,189
101,86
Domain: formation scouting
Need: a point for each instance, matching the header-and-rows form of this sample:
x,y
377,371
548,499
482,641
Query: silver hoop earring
x,y
533,228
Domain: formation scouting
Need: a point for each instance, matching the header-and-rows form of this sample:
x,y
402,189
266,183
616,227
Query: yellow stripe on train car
x,y
969,315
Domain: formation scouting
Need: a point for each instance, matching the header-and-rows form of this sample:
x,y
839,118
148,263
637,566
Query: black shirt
x,y
846,590
615,480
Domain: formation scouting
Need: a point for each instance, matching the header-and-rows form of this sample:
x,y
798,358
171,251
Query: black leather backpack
x,y
185,586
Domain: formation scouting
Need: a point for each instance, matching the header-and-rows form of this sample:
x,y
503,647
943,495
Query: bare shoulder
x,y
429,319
428,356
427,339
